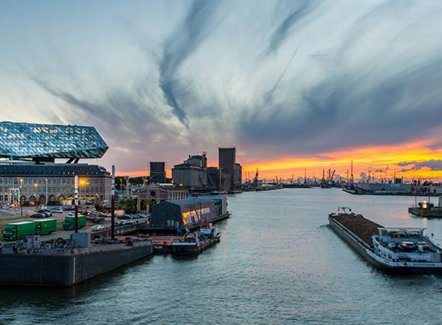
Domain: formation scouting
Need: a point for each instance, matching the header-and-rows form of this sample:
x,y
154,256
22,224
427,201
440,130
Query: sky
x,y
292,84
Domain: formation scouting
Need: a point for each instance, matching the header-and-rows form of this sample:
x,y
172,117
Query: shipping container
x,y
46,226
69,222
18,230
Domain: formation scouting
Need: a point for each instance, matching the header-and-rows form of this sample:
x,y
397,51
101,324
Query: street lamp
x,y
46,196
81,182
20,195
35,193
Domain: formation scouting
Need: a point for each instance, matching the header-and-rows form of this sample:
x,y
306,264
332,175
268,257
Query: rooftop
x,y
47,170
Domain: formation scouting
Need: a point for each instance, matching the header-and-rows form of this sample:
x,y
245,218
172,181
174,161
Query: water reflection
x,y
277,262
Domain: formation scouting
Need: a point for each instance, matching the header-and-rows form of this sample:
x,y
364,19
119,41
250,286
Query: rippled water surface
x,y
278,263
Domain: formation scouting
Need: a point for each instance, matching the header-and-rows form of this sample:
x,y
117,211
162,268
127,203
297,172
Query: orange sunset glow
x,y
380,161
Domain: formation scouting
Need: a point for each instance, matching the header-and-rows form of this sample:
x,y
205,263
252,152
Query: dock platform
x,y
435,212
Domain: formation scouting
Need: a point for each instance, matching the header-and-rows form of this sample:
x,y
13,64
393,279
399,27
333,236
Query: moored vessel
x,y
395,250
427,209
194,244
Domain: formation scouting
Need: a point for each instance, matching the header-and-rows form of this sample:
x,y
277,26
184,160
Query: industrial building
x,y
213,178
29,174
191,174
157,172
237,181
227,160
230,172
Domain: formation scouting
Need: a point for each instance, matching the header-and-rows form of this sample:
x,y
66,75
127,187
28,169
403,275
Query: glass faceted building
x,y
43,141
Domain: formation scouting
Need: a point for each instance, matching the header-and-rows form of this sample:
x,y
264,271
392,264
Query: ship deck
x,y
361,227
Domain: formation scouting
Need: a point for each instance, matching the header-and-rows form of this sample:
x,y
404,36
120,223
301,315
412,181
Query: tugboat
x,y
194,244
395,250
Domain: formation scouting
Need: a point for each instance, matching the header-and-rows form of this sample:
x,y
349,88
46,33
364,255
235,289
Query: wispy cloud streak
x,y
186,38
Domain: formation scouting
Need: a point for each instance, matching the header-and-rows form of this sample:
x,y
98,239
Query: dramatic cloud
x,y
179,46
414,165
287,78
302,10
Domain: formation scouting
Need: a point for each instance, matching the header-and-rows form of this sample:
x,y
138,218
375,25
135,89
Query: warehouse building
x,y
182,214
189,213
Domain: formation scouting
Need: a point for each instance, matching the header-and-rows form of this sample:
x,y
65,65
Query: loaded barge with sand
x,y
395,250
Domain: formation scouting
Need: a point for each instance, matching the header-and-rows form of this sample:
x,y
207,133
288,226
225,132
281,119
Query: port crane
x,y
255,179
327,182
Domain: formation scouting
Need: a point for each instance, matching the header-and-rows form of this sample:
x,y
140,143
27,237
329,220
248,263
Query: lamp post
x,y
21,204
46,194
76,203
113,204
35,187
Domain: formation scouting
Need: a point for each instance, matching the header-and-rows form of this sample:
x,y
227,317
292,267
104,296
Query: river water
x,y
277,263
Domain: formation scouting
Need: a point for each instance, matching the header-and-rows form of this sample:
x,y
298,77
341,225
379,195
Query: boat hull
x,y
184,250
192,250
66,269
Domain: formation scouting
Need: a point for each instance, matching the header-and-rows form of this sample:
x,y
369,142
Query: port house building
x,y
29,173
182,214
53,183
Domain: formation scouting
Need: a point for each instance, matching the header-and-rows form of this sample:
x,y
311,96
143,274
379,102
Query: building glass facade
x,y
25,140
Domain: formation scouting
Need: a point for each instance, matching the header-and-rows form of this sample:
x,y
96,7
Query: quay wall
x,y
65,270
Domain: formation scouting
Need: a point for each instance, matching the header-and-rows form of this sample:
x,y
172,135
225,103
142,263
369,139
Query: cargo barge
x,y
394,250
66,263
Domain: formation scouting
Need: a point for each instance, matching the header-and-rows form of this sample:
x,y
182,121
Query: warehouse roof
x,y
190,200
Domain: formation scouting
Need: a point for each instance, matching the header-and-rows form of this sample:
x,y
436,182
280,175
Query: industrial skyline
x,y
290,84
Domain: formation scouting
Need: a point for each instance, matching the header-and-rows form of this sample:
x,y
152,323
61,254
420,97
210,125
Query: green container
x,y
69,222
46,226
18,230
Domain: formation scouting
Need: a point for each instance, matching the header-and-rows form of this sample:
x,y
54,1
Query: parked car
x,y
125,216
38,216
56,210
46,212
95,218
97,227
